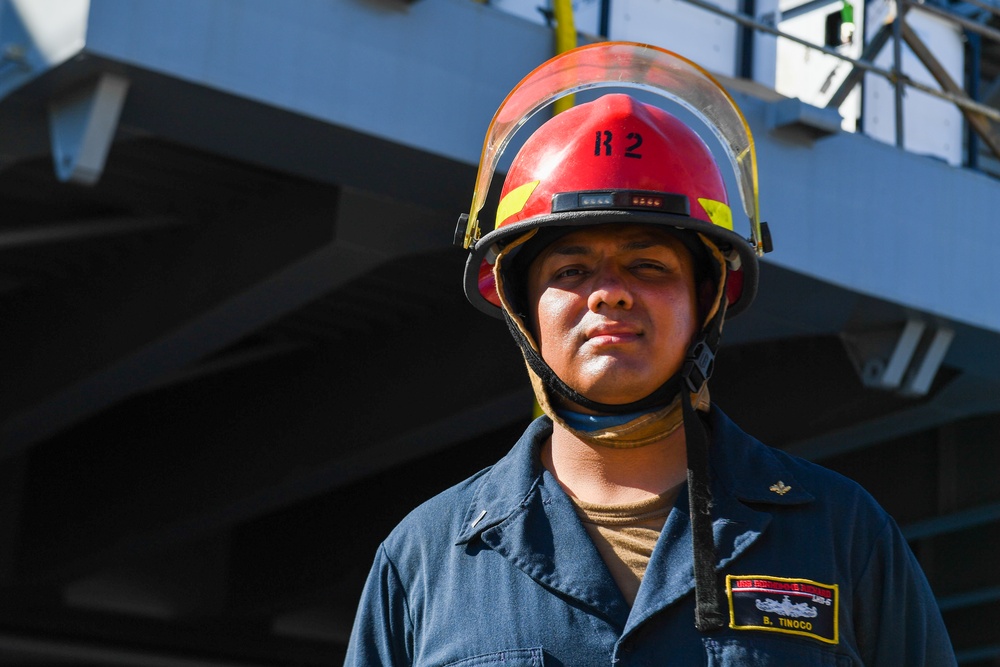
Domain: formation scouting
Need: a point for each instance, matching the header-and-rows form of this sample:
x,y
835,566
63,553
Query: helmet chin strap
x,y
539,368
673,404
647,427
701,358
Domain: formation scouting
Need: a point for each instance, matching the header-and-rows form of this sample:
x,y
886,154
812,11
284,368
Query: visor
x,y
624,65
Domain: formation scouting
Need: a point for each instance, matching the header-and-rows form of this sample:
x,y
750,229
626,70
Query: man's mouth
x,y
611,334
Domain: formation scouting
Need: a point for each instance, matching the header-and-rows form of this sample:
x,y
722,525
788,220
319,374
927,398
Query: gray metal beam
x,y
244,271
36,39
983,125
83,126
969,598
949,523
964,396
805,8
289,560
383,69
178,490
57,651
45,234
65,636
978,654
96,343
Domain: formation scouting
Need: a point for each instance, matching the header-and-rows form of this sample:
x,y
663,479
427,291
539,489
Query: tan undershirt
x,y
625,536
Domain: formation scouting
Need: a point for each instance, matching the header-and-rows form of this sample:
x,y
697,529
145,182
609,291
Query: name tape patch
x,y
775,604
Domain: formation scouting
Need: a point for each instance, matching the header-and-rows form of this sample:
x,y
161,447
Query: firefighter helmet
x,y
618,160
614,160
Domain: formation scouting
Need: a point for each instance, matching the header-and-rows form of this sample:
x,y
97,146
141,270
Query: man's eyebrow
x,y
628,246
571,250
643,245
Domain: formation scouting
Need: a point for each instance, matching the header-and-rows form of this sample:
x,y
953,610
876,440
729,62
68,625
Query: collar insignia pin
x,y
780,488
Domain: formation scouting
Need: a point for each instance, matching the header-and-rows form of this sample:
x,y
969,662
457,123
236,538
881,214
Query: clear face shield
x,y
624,65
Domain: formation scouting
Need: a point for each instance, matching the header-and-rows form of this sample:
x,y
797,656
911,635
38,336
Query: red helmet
x,y
618,160
614,160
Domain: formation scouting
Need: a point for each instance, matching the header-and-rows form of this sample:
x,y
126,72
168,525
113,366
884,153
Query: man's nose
x,y
610,288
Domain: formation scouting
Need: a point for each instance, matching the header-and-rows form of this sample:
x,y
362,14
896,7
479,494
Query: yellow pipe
x,y
565,40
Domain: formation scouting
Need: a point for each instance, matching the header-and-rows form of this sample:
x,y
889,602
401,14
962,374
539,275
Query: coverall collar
x,y
520,511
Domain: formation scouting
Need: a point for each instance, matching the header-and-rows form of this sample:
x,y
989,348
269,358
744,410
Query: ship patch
x,y
776,604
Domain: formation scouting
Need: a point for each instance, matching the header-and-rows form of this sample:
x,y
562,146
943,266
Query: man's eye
x,y
649,266
569,272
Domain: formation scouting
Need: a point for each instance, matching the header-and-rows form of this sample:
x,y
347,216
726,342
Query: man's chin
x,y
610,396
619,381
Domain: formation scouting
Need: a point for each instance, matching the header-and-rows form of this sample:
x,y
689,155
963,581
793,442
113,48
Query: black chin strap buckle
x,y
461,230
698,365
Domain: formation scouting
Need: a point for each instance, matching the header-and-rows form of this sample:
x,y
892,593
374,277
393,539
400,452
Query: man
x,y
634,524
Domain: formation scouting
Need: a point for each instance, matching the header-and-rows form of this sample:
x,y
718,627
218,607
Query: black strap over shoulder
x,y
697,369
708,608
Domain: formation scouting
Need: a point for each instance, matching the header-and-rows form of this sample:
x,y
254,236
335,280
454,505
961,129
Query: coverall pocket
x,y
768,652
520,657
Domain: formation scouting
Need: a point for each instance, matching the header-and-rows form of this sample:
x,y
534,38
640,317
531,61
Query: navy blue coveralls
x,y
498,570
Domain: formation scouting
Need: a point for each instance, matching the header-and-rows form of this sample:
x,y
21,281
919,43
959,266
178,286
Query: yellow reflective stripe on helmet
x,y
718,213
514,201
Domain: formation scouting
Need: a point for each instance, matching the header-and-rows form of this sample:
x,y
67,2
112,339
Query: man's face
x,y
613,309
